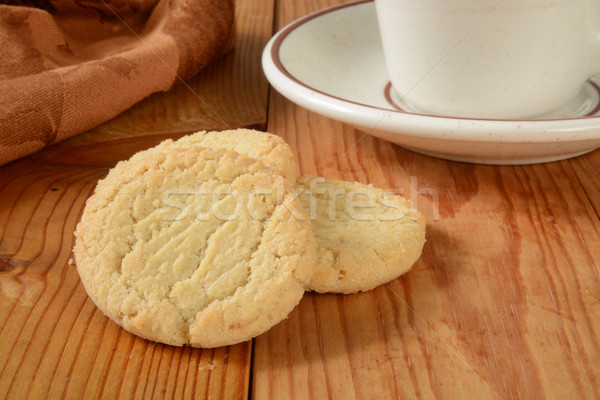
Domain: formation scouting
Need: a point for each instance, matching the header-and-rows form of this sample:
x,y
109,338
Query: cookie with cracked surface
x,y
194,246
365,236
270,149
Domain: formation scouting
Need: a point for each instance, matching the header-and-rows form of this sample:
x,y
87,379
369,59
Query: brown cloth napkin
x,y
69,65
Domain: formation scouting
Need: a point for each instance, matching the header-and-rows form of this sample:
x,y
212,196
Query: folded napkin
x,y
69,65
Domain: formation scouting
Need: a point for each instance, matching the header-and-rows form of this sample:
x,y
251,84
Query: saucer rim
x,y
484,140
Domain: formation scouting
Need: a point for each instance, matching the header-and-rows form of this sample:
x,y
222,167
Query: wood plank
x,y
54,343
587,168
504,302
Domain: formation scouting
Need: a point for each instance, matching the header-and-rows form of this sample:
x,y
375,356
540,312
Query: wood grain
x,y
503,304
54,343
587,168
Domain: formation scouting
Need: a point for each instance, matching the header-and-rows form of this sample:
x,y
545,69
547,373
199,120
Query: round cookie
x,y
194,246
270,149
365,236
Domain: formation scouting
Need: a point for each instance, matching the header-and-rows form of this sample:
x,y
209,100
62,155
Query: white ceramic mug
x,y
506,59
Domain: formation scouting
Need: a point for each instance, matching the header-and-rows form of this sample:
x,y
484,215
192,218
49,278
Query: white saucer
x,y
331,62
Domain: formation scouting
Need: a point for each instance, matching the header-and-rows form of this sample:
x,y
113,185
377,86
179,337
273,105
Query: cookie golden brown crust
x,y
365,236
270,149
194,246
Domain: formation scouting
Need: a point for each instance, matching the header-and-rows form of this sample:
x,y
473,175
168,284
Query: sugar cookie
x,y
194,246
365,236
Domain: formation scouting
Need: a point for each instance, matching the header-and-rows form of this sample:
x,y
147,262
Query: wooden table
x,y
504,302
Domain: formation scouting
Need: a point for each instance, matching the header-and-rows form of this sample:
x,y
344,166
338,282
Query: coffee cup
x,y
496,59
